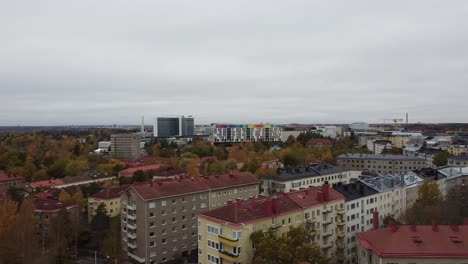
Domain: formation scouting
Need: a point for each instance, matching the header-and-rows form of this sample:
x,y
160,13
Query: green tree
x,y
111,245
61,238
139,176
216,167
288,249
440,159
427,207
100,223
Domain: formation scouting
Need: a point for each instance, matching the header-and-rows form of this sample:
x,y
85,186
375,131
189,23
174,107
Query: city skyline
x,y
87,63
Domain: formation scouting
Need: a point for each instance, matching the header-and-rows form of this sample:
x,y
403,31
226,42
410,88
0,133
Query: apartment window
x,y
174,229
237,234
163,203
151,234
203,205
152,223
213,244
151,214
184,227
237,250
199,251
183,218
163,212
163,241
163,222
152,205
152,244
203,196
213,259
183,199
199,238
173,201
174,210
173,220
194,207
298,218
213,230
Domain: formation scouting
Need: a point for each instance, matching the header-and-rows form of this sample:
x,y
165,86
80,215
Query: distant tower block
x,y
406,118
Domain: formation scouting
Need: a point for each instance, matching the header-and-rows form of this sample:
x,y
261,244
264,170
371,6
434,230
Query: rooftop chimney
x,y
326,191
435,226
375,219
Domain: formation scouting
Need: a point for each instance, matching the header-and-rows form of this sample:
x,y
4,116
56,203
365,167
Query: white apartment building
x,y
229,133
378,146
286,180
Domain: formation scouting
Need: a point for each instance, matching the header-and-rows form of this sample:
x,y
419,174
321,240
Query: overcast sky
x,y
110,61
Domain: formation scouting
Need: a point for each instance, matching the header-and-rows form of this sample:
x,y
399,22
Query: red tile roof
x,y
417,242
108,194
131,171
254,209
228,180
47,183
10,176
50,205
319,142
310,197
163,188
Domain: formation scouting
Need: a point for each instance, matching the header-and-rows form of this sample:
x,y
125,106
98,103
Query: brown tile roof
x,y
438,241
163,188
318,142
10,176
253,209
111,193
47,183
131,171
50,205
229,180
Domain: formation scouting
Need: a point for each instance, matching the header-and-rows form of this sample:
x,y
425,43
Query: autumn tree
x,y
100,223
428,205
216,167
291,248
62,238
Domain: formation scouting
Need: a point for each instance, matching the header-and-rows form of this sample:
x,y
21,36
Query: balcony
x,y
131,226
341,223
340,235
340,212
131,216
326,246
326,234
313,232
228,241
231,257
326,211
135,257
131,207
311,220
327,222
275,226
131,245
131,235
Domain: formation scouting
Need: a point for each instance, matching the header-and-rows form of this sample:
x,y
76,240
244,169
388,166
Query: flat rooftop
x,y
313,170
379,157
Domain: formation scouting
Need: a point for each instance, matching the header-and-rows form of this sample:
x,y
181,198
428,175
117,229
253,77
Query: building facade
x,y
229,133
125,146
159,219
174,126
11,179
378,146
285,180
382,164
110,198
460,160
224,233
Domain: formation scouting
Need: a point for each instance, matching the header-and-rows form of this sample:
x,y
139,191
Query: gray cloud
x,y
105,62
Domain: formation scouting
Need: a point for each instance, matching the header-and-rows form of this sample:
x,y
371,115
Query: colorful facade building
x,y
229,133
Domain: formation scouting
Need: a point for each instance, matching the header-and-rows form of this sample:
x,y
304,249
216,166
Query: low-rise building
x,y
378,146
455,176
383,164
11,179
414,244
287,179
460,160
108,197
159,218
224,233
458,149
